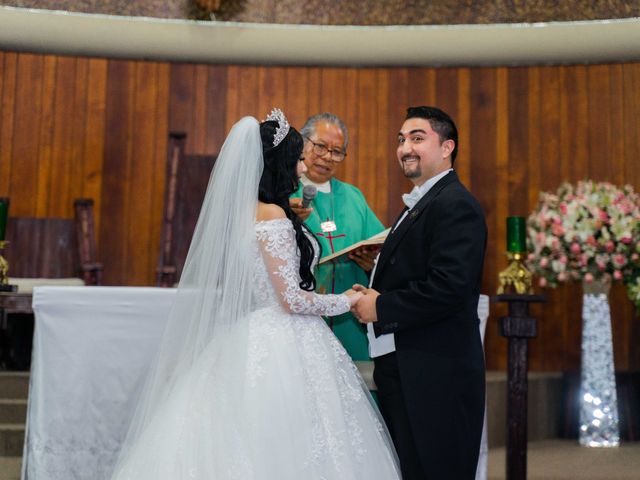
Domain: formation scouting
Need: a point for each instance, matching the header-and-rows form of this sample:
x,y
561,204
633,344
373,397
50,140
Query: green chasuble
x,y
355,221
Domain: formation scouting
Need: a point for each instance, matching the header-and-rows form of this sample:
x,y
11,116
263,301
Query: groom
x,y
421,309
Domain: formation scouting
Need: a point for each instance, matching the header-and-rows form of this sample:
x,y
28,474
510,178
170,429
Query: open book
x,y
376,240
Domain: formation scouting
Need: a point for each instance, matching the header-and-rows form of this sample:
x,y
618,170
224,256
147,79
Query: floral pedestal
x,y
598,398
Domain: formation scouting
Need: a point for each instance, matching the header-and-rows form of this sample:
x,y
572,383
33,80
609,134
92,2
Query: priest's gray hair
x,y
309,128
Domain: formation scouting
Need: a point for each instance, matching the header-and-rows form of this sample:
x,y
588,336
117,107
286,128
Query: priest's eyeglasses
x,y
321,150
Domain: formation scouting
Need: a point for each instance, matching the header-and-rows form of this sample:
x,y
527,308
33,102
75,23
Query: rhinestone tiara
x,y
283,125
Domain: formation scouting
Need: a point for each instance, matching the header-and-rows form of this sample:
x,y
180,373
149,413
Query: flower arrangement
x,y
633,280
589,232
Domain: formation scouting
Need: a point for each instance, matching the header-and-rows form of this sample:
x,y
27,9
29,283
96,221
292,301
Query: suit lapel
x,y
394,238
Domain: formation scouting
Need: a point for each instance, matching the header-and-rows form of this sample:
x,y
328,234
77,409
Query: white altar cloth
x,y
91,349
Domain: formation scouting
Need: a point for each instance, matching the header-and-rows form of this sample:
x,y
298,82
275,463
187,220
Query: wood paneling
x,y
133,174
72,127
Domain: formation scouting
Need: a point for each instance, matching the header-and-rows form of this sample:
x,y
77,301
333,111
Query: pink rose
x,y
591,240
542,282
603,215
563,259
626,240
563,208
620,259
617,274
557,230
562,277
588,278
610,246
544,261
575,248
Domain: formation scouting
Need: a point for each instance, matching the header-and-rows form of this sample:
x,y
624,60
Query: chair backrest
x,y
90,267
54,247
185,186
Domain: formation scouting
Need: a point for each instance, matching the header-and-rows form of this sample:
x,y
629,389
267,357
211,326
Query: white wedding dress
x,y
279,399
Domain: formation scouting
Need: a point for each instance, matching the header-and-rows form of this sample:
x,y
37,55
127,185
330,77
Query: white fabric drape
x,y
481,471
92,348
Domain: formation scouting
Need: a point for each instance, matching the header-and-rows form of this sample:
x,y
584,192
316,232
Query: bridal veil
x,y
215,287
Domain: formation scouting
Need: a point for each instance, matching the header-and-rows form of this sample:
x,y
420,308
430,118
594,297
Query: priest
x,y
339,217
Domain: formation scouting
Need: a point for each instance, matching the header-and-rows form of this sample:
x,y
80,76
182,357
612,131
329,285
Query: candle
x,y
4,213
516,234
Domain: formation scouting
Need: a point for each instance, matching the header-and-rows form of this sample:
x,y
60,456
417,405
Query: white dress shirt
x,y
384,344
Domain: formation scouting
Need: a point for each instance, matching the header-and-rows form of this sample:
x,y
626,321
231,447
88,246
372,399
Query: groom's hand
x,y
365,309
359,288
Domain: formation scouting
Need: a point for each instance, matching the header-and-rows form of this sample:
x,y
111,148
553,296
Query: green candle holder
x,y
4,214
516,234
516,278
4,271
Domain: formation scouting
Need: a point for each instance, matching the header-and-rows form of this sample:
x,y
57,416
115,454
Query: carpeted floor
x,y
547,460
566,460
10,468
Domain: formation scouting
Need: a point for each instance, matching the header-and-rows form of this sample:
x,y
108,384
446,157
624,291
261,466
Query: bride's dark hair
x,y
279,180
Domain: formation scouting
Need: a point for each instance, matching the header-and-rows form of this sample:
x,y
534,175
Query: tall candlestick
x,y
516,234
4,213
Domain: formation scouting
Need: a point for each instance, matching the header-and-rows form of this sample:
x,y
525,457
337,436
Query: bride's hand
x,y
353,297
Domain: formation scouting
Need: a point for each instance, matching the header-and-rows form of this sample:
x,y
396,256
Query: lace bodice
x,y
277,278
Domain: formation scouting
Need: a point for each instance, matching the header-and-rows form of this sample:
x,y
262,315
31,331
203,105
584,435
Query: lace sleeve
x,y
277,244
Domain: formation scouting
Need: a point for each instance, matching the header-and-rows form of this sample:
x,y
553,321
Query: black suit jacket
x,y
429,274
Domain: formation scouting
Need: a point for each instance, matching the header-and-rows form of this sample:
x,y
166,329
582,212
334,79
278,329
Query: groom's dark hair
x,y
440,122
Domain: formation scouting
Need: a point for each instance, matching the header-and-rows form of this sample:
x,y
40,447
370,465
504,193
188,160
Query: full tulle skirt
x,y
280,401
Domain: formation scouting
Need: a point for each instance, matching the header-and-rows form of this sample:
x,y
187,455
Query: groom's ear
x,y
448,146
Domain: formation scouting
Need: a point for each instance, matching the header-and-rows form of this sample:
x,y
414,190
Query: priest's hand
x,y
365,309
365,257
296,206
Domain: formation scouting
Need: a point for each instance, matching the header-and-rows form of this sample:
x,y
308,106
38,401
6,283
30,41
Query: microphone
x,y
309,192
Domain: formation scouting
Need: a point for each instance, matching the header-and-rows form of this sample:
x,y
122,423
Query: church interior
x,y
113,113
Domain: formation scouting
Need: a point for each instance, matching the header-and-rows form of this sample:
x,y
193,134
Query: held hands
x,y
365,257
353,296
296,206
364,309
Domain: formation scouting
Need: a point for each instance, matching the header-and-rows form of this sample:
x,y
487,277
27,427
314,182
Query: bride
x,y
249,382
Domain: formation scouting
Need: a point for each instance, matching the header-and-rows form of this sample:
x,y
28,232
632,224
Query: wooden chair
x,y
55,248
43,251
185,186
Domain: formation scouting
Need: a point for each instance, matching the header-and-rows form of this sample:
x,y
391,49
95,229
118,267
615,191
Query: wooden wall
x,y
73,127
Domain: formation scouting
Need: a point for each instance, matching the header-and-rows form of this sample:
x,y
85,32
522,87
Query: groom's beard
x,y
411,166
